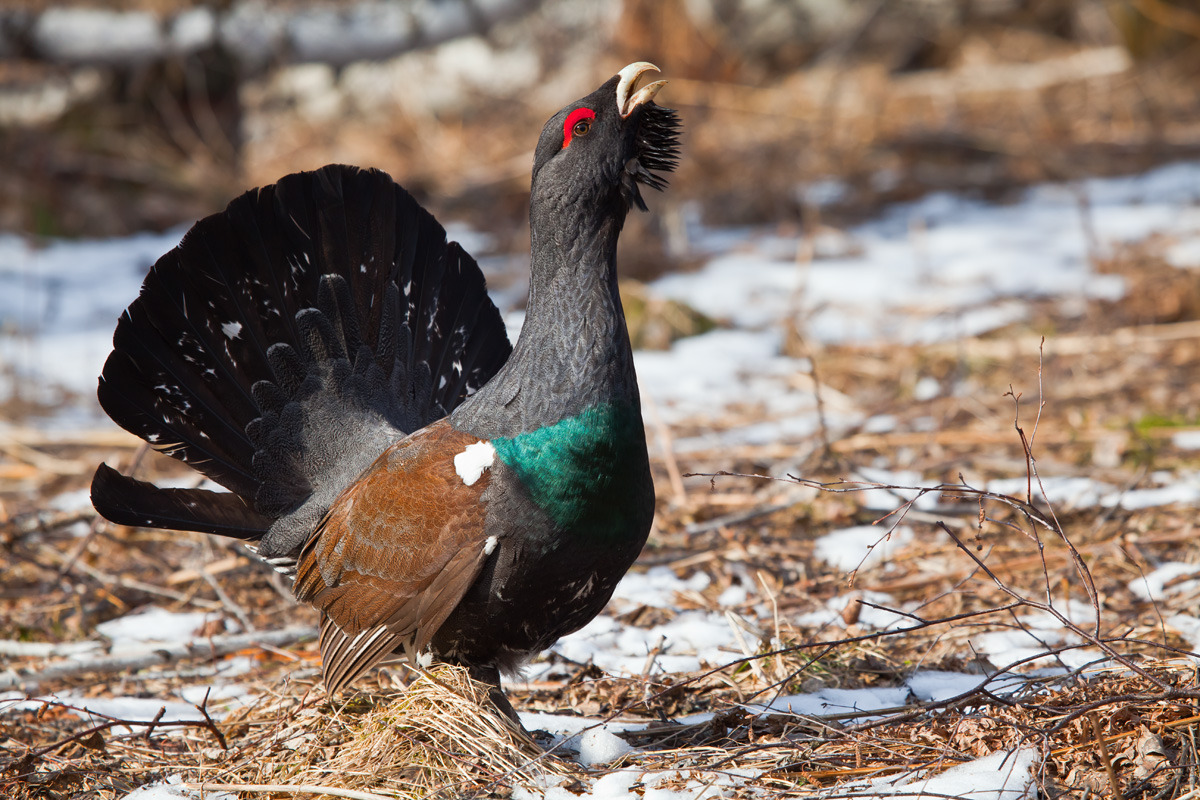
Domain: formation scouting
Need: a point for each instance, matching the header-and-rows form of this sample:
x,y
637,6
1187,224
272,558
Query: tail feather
x,y
149,411
458,315
382,229
132,502
286,342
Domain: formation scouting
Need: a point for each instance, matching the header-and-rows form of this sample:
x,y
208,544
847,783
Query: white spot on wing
x,y
232,329
471,462
489,546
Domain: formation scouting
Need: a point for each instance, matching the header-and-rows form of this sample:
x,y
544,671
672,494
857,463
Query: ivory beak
x,y
627,98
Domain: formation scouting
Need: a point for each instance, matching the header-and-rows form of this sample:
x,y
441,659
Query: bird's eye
x,y
578,123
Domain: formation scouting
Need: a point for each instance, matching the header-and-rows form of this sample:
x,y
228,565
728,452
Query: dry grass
x,y
440,734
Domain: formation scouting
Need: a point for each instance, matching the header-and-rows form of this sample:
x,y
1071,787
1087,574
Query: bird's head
x,y
600,149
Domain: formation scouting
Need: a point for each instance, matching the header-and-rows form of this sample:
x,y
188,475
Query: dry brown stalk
x,y
1114,786
665,443
40,461
213,568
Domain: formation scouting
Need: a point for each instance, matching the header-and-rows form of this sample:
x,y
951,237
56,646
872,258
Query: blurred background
x,y
135,115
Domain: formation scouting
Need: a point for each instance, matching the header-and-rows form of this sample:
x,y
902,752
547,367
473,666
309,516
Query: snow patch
x,y
622,784
888,499
171,789
869,616
1006,775
1081,492
1185,491
657,587
1030,645
1188,627
1186,440
861,547
140,712
600,746
77,500
154,624
686,643
1185,253
938,685
1061,492
1166,581
857,702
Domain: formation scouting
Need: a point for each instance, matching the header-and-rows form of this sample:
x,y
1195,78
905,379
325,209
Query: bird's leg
x,y
491,677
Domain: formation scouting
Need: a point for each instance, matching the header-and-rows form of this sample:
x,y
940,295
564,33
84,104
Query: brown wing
x,y
395,554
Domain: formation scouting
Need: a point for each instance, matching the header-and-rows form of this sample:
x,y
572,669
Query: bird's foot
x,y
491,677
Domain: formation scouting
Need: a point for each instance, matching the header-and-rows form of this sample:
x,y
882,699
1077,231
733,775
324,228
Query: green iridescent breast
x,y
589,472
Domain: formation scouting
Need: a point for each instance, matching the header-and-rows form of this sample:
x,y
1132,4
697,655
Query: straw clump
x,y
442,734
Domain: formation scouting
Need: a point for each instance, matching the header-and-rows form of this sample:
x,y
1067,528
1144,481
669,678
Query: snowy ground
x,y
934,270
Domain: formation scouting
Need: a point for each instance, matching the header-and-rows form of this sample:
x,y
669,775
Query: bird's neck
x,y
573,353
563,413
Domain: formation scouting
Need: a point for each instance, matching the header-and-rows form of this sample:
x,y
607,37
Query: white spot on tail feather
x,y
232,330
424,660
471,462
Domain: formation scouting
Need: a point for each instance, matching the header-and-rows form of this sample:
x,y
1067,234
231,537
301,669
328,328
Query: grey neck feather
x,y
574,348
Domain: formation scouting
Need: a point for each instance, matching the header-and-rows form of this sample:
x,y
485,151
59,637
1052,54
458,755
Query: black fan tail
x,y
127,501
286,342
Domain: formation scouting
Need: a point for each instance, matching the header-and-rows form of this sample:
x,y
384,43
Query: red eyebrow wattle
x,y
572,118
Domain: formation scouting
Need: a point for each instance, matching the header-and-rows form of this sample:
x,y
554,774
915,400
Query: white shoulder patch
x,y
471,462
